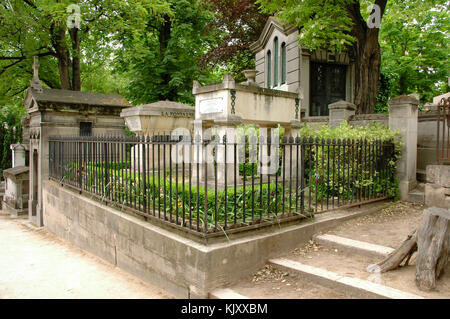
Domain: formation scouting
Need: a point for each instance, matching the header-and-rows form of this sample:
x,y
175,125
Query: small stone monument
x,y
156,119
15,200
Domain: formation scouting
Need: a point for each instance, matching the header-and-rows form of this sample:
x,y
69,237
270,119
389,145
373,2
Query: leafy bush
x,y
128,188
357,167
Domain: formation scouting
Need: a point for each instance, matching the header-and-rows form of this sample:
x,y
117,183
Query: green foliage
x,y
384,91
368,178
414,40
170,198
322,23
160,56
10,132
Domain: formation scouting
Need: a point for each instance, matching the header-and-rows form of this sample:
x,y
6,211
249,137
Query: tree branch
x,y
31,4
8,66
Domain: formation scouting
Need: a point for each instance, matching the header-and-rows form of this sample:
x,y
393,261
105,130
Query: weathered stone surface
x,y
403,116
436,195
185,267
341,111
439,174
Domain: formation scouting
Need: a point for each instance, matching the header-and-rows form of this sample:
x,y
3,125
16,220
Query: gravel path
x,y
37,264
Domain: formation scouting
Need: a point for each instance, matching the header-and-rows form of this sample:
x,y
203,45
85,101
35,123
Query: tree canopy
x,y
149,50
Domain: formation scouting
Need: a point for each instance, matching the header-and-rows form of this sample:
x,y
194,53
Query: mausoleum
x,y
53,112
320,77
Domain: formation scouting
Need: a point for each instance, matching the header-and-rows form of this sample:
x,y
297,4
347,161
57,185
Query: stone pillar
x,y
201,155
341,111
294,132
403,116
227,127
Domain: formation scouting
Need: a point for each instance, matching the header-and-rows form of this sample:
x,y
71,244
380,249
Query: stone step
x,y
226,293
353,246
358,287
416,196
421,175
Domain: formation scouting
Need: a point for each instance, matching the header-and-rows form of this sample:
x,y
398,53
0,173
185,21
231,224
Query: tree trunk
x,y
164,38
76,70
367,55
62,54
433,247
431,241
367,72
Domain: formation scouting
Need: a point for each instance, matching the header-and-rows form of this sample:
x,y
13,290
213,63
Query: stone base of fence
x,y
184,266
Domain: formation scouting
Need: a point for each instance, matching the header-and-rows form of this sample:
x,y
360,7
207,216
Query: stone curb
x,y
226,293
356,287
353,246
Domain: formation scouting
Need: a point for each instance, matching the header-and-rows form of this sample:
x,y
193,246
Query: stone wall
x,y
426,139
184,266
437,189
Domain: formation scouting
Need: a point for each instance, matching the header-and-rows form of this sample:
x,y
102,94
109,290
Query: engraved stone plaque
x,y
215,105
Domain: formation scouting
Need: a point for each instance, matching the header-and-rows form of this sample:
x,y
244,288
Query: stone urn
x,y
251,76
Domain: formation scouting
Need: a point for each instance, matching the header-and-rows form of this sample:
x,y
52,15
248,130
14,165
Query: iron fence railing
x,y
212,187
443,132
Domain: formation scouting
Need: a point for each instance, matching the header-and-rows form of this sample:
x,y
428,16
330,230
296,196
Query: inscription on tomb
x,y
215,105
178,114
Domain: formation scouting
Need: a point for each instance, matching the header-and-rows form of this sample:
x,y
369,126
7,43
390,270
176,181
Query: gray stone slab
x,y
353,246
355,286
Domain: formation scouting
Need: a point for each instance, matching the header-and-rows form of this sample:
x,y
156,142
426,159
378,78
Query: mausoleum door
x,y
328,85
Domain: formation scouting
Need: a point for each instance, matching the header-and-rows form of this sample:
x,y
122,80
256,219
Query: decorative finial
x,y
35,82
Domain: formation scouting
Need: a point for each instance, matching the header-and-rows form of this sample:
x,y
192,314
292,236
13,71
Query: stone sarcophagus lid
x,y
15,199
246,101
158,118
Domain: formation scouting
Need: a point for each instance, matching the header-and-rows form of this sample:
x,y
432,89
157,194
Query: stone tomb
x,y
221,108
156,119
53,112
15,200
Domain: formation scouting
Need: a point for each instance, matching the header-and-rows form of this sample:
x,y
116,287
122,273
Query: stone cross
x,y
35,82
36,68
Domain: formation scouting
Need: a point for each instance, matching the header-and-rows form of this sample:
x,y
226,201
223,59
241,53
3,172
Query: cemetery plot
x,y
301,178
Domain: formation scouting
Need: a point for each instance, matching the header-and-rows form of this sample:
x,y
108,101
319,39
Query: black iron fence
x,y
212,187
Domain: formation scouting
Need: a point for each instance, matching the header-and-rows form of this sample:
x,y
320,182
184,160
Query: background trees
x,y
414,43
149,50
160,55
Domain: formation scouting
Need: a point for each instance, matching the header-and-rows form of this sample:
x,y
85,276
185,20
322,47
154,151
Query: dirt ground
x,y
388,227
353,265
271,283
36,264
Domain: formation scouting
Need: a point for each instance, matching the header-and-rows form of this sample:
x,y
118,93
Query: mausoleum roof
x,y
271,24
68,97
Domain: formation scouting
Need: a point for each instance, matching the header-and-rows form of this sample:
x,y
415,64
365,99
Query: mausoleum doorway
x,y
328,85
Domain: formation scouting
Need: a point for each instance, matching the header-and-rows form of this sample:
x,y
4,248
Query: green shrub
x,y
350,179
